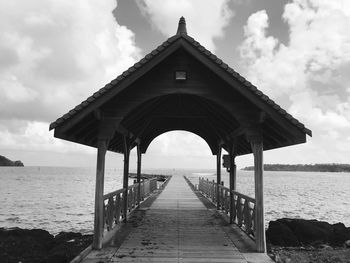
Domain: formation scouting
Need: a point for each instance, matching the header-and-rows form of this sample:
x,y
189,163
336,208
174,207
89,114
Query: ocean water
x,y
62,199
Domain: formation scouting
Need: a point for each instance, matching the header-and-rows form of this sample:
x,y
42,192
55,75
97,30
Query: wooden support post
x,y
139,155
232,181
257,147
100,171
126,175
218,176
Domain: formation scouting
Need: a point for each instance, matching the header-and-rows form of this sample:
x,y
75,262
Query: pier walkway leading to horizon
x,y
177,227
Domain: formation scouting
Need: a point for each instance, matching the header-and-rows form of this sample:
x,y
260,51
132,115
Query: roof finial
x,y
182,27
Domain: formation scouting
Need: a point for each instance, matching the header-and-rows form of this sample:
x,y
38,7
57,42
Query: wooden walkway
x,y
176,228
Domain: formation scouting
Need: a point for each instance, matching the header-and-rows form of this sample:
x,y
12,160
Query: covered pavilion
x,y
180,85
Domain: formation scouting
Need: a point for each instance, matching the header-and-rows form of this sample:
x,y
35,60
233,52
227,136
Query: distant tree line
x,y
323,167
7,162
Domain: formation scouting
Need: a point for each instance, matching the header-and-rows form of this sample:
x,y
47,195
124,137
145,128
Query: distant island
x,y
333,167
7,162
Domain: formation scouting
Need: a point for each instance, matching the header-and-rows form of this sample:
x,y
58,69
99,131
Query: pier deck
x,y
177,227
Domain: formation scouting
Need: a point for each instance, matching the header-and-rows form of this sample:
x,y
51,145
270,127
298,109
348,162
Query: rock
x,y
24,245
57,258
324,246
67,246
280,234
66,237
339,235
297,232
347,243
308,231
39,246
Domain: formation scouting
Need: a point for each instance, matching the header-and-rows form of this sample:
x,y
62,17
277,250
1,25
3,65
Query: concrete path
x,y
176,228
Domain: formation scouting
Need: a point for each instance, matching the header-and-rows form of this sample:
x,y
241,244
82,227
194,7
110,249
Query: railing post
x,y
139,155
257,147
126,175
218,176
102,146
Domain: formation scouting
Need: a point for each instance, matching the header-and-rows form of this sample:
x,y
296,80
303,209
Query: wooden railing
x,y
113,202
243,206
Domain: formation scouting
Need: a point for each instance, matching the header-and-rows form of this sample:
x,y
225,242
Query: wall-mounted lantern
x,y
226,162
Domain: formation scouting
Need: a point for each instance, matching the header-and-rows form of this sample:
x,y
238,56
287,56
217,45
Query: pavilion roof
x,y
93,105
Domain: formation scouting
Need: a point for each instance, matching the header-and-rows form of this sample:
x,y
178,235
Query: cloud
x,y
179,149
56,53
309,75
53,55
204,25
179,143
33,136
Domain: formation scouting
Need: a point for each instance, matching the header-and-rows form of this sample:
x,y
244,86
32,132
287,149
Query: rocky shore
x,y
39,246
289,241
304,241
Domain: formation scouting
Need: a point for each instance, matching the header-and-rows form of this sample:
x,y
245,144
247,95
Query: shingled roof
x,y
96,100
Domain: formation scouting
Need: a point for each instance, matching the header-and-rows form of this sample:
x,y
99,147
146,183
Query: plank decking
x,y
176,228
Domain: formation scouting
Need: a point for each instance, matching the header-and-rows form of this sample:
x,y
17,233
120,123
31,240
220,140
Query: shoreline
x,y
38,245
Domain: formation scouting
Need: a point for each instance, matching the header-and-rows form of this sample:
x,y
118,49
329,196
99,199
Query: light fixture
x,y
180,75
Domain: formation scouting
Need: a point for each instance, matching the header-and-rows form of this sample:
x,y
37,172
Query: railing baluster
x,y
117,209
234,207
113,208
243,206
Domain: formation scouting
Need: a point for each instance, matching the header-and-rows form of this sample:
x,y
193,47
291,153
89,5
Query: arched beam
x,y
145,143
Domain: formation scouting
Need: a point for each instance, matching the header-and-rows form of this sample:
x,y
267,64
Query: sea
x,y
62,199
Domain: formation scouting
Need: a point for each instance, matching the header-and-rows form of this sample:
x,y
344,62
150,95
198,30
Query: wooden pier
x,y
177,227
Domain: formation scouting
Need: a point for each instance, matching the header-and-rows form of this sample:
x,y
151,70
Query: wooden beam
x,y
215,130
218,115
256,142
139,155
100,170
235,133
126,144
282,133
177,116
233,185
218,176
76,132
98,114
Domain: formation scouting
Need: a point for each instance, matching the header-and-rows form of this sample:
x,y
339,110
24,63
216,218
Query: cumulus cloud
x,y
33,136
204,25
318,48
54,54
309,75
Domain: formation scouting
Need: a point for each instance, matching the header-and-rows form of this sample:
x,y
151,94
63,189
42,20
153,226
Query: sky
x,y
54,54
